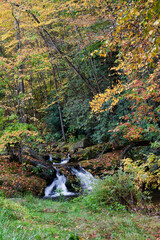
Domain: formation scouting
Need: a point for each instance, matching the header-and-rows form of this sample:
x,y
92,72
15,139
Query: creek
x,y
58,187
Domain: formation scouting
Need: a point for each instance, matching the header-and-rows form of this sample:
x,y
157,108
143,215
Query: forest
x,y
74,71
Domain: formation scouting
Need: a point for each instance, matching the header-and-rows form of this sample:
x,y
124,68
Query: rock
x,y
85,142
92,152
105,164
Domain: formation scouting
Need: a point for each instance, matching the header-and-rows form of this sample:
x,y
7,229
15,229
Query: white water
x,y
50,157
86,178
65,160
57,187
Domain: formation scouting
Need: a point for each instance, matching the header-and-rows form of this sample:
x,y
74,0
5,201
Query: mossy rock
x,y
61,148
83,143
92,152
56,157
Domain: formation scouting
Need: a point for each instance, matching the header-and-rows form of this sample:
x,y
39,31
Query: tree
x,y
136,33
112,46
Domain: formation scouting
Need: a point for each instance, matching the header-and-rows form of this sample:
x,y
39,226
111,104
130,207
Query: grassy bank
x,y
33,218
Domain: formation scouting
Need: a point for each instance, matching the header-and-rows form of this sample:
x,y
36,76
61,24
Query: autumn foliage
x,y
136,33
75,68
14,181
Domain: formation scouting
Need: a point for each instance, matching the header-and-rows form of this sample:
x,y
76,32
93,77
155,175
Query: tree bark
x,y
20,90
58,102
56,88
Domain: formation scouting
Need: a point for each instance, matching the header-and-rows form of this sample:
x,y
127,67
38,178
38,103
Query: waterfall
x,y
57,187
50,157
65,160
86,178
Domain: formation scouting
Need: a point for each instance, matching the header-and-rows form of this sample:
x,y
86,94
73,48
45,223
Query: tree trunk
x,y
58,102
56,88
20,90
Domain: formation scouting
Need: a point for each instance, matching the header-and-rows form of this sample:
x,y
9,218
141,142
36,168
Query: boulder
x,y
74,147
92,152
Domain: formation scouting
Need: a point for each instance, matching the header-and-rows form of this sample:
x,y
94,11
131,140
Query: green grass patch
x,y
33,218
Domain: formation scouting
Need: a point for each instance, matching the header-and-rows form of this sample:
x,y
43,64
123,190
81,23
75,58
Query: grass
x,y
31,218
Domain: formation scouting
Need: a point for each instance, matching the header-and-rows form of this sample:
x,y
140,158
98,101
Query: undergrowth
x,y
14,181
118,191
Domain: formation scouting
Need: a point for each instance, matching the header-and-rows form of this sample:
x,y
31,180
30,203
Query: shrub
x,y
16,135
146,173
117,191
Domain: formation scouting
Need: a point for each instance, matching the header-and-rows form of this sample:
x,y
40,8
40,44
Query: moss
x,y
93,151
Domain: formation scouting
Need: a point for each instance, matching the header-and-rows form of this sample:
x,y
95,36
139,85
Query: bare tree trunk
x,y
20,90
56,88
20,87
58,102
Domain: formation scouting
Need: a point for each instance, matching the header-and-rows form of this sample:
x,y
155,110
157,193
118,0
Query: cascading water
x,y
50,158
65,160
86,178
58,186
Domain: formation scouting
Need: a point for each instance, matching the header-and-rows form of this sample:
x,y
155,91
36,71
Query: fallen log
x,y
45,169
